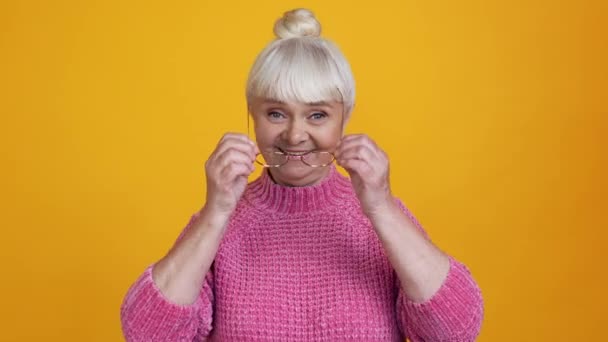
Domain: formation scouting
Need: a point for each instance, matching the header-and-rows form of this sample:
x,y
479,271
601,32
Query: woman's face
x,y
297,128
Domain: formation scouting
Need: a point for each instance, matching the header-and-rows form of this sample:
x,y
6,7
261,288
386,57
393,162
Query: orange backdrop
x,y
493,114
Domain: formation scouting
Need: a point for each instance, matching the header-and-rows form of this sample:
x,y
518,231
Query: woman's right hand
x,y
228,169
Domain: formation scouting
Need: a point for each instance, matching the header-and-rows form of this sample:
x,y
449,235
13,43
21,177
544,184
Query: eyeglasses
x,y
273,159
278,158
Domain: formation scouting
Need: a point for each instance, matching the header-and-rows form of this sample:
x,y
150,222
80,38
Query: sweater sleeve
x,y
147,315
454,313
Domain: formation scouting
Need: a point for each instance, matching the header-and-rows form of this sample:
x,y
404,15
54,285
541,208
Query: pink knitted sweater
x,y
303,264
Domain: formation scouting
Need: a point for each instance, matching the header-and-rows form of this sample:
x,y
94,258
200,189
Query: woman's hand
x,y
368,168
228,169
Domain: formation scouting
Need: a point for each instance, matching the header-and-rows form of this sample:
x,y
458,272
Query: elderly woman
x,y
302,253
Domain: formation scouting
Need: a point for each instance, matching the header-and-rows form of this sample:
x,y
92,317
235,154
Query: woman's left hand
x,y
368,168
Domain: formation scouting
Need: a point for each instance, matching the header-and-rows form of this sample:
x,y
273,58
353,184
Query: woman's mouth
x,y
294,152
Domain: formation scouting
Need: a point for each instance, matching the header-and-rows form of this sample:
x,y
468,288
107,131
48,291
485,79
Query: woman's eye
x,y
275,115
318,116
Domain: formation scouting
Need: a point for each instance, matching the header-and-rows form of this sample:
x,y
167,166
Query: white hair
x,y
301,66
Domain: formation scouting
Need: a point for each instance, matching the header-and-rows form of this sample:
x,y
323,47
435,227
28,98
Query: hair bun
x,y
297,23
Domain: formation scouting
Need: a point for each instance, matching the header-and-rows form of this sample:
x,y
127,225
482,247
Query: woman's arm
x,y
419,264
438,299
166,303
180,274
173,299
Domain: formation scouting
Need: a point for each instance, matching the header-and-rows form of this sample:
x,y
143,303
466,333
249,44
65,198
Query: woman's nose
x,y
295,133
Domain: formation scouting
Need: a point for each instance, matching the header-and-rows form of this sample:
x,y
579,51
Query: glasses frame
x,y
290,156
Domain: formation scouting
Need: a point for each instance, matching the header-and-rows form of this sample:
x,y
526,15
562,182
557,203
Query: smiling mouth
x,y
293,153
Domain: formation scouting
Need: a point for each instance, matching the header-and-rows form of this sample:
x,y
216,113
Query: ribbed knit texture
x,y
303,264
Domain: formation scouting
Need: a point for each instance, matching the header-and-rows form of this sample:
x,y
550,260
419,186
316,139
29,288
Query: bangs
x,y
296,71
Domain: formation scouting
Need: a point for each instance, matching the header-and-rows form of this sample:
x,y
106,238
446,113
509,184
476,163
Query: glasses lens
x,y
318,159
271,158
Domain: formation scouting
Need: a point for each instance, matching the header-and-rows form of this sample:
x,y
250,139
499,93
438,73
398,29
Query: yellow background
x,y
493,114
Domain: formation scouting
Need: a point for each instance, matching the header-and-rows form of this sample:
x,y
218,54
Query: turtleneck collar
x,y
265,194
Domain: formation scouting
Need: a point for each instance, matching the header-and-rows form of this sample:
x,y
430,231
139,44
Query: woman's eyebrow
x,y
274,102
321,103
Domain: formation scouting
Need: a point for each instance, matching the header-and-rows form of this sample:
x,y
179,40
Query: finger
x,y
356,166
358,140
359,152
353,137
358,143
235,170
238,136
233,155
238,144
375,159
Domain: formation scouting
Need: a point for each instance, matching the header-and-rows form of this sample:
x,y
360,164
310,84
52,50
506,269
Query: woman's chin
x,y
298,175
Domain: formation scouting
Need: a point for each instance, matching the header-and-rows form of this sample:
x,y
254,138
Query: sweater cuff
x,y
147,315
453,313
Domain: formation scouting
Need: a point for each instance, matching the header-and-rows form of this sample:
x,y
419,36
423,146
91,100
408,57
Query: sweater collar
x,y
265,194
